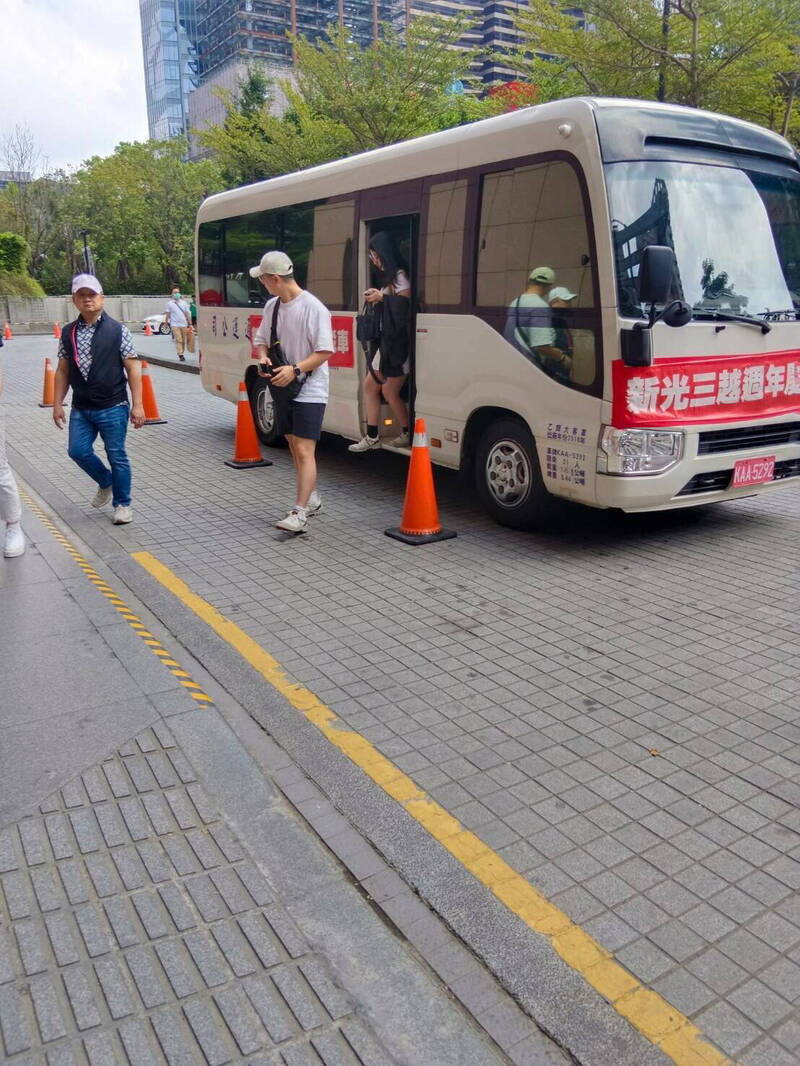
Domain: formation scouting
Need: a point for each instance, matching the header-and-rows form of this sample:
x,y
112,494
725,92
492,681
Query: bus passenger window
x,y
534,273
210,283
330,262
444,243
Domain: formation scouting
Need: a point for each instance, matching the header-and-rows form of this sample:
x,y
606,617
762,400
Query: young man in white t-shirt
x,y
306,338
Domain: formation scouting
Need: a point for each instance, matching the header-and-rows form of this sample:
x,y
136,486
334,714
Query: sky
x,y
72,71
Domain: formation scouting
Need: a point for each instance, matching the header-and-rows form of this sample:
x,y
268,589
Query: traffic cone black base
x,y
246,465
420,538
155,421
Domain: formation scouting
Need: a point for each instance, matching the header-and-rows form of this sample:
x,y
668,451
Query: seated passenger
x,y
530,323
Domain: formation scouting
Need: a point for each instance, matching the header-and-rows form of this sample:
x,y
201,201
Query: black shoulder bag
x,y
278,358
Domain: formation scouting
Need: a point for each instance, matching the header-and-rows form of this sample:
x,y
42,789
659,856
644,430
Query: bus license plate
x,y
753,471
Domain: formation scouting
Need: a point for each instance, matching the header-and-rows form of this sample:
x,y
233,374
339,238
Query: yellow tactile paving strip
x,y
133,620
661,1023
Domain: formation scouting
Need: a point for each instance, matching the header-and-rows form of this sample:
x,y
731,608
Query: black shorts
x,y
305,419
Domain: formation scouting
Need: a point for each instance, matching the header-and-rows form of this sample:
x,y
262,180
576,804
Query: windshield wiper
x,y
727,316
790,314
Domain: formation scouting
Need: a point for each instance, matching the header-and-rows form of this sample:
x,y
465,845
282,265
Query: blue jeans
x,y
112,425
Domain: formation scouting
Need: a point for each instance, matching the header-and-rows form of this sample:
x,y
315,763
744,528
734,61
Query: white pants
x,y
10,506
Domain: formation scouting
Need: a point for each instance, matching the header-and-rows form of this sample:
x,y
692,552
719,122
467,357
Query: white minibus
x,y
605,298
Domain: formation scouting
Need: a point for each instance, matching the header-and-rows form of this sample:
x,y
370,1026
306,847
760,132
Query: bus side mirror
x,y
656,271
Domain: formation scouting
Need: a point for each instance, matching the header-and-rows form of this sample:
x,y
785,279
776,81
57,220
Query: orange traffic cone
x,y
56,330
49,386
420,522
7,334
246,452
151,415
148,331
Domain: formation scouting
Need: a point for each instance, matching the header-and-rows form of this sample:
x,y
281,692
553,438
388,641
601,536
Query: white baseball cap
x,y
86,281
560,293
273,263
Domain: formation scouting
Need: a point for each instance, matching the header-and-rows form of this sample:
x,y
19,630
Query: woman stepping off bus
x,y
388,369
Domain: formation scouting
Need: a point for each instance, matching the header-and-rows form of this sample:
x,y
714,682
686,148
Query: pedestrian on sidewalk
x,y
10,506
305,335
95,357
180,322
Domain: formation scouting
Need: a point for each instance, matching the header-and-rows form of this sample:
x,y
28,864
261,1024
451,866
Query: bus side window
x,y
210,281
330,262
444,243
534,275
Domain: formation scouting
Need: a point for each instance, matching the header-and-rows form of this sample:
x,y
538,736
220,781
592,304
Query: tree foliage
x,y
730,56
139,206
13,253
346,99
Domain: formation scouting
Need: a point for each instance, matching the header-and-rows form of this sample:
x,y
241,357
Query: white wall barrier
x,y
37,315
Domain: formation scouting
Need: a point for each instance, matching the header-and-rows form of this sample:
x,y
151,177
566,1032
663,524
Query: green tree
x,y
722,55
348,99
139,206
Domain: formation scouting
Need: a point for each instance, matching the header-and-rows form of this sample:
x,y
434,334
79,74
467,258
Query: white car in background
x,y
157,324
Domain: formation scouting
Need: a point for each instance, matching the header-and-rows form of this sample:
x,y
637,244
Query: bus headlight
x,y
638,451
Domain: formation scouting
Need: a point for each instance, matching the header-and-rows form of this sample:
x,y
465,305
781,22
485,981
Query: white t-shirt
x,y
400,285
531,336
178,312
304,326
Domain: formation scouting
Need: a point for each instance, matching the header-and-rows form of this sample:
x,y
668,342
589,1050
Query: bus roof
x,y
624,127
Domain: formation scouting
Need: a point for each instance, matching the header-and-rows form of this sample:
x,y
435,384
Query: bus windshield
x,y
735,233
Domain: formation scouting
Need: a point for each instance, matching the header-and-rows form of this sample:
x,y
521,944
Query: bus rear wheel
x,y
263,411
508,478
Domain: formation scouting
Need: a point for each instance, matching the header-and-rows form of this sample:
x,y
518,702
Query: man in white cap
x,y
305,335
530,323
97,360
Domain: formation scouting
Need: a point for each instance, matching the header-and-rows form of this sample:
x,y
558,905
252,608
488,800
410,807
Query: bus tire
x,y
263,411
508,478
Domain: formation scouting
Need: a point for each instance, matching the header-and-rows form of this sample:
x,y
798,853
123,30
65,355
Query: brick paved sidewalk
x,y
144,922
135,929
614,709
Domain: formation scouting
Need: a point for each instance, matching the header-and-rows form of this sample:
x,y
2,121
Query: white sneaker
x,y
366,444
14,544
101,497
403,441
122,515
314,505
294,522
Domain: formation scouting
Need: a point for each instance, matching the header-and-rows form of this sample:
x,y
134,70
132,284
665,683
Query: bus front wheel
x,y
508,478
263,411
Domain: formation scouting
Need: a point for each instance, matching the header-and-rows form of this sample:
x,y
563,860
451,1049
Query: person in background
x,y
193,312
392,279
179,317
10,505
97,360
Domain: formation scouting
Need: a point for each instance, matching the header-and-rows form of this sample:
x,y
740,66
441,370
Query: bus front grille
x,y
719,480
734,440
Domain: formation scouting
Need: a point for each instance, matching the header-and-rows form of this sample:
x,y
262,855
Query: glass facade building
x,y
241,29
169,43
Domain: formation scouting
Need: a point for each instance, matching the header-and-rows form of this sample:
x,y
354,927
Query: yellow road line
x,y
106,590
648,1012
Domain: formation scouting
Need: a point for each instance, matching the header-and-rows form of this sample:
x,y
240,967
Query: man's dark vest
x,y
106,385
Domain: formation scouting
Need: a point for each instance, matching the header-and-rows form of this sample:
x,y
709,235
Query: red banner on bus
x,y
675,392
344,349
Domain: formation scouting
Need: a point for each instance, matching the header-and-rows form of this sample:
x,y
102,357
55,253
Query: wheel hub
x,y
508,473
265,411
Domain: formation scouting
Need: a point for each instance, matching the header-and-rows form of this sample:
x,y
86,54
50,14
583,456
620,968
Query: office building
x,y
169,44
229,30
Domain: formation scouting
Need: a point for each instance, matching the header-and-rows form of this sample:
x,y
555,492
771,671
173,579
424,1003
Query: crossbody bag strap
x,y
273,333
